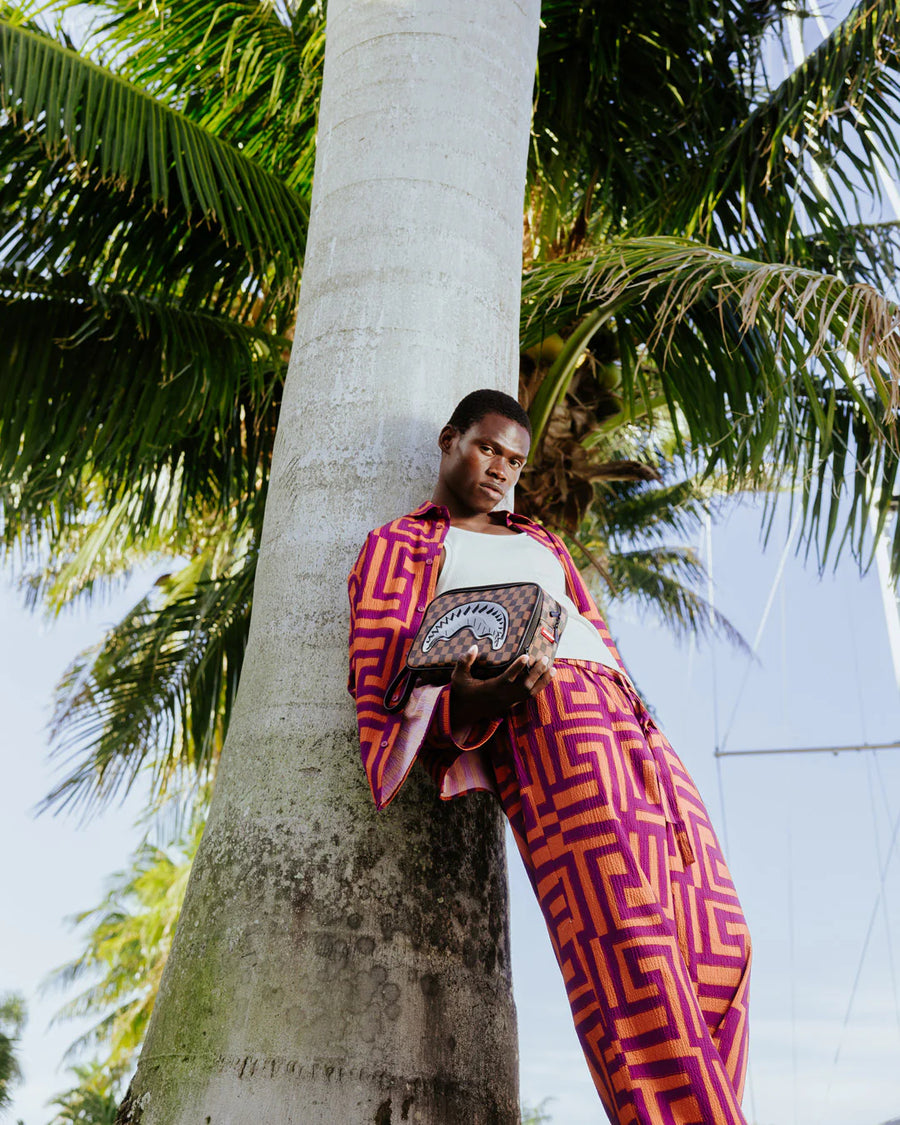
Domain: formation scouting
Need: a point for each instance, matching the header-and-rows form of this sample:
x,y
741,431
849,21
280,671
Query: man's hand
x,y
472,700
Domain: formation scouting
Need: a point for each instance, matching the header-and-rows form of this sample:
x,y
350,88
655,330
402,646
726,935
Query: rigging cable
x,y
873,767
865,947
872,760
792,918
711,605
759,632
710,599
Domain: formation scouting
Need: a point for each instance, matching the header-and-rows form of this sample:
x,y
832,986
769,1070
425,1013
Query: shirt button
x,y
421,608
428,562
385,742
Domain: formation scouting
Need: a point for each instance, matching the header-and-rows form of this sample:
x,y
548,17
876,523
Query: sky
x,y
811,839
808,836
53,867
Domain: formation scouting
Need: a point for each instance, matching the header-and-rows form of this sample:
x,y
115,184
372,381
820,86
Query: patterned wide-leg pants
x,y
641,910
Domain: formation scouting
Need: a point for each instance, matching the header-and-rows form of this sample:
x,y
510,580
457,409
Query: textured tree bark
x,y
334,965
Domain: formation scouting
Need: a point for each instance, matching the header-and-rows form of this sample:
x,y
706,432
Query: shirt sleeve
x,y
440,733
353,587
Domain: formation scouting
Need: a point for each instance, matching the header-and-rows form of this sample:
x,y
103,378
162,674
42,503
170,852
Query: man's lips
x,y
493,489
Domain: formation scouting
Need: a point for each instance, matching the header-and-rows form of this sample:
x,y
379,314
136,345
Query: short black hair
x,y
478,404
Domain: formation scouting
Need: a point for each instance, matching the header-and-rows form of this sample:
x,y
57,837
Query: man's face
x,y
480,466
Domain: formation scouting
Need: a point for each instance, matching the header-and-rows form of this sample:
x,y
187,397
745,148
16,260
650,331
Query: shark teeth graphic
x,y
483,619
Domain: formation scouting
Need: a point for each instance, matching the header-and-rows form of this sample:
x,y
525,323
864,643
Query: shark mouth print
x,y
485,619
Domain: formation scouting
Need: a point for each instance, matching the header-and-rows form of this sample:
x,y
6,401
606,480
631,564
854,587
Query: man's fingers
x,y
540,676
518,667
544,681
465,662
521,676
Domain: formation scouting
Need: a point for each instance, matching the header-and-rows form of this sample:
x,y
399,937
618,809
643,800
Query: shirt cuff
x,y
440,733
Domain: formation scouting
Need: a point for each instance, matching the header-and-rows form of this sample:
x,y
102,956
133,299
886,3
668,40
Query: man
x,y
619,848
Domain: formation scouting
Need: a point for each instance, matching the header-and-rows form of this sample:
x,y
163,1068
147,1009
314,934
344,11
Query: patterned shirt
x,y
390,587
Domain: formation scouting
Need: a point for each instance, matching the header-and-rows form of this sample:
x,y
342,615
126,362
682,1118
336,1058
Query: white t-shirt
x,y
475,558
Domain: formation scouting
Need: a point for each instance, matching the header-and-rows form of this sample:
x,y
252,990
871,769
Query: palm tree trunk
x,y
334,965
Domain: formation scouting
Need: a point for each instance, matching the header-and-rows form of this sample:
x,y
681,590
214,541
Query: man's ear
x,y
446,436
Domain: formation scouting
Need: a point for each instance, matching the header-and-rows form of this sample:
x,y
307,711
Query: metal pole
x,y
811,749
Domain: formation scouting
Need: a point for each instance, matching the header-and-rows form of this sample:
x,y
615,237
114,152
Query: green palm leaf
x,y
837,109
790,316
630,529
100,178
12,1023
183,400
627,513
631,100
654,119
53,221
858,252
159,689
245,71
122,135
129,936
769,367
660,580
93,1101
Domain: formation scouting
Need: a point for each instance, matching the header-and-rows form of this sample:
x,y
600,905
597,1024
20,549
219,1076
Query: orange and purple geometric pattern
x,y
390,586
642,913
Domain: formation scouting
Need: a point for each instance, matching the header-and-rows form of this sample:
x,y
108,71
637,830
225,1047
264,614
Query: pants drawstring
x,y
671,803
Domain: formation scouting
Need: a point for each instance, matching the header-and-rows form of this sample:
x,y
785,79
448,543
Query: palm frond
x,y
119,134
144,208
158,690
820,313
629,98
129,934
95,550
758,359
626,536
182,400
625,512
93,1101
858,252
834,116
243,70
659,579
653,119
54,221
12,1023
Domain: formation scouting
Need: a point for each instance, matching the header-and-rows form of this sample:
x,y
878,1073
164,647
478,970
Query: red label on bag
x,y
547,635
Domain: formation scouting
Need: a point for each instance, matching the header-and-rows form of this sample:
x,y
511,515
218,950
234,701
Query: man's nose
x,y
497,468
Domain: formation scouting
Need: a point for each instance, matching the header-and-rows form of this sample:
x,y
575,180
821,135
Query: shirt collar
x,y
431,511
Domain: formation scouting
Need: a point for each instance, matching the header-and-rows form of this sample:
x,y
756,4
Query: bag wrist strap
x,y
403,684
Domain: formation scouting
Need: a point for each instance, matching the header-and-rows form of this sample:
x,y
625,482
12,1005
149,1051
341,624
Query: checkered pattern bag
x,y
504,621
